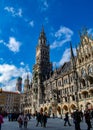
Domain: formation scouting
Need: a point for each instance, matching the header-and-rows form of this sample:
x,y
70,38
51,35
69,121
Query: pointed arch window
x,y
90,69
83,72
79,61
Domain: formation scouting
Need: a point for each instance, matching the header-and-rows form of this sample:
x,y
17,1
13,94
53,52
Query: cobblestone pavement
x,y
52,124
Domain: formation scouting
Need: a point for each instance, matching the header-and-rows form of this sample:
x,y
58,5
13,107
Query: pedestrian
x,y
1,120
25,121
87,119
44,119
81,114
77,119
92,114
20,120
41,118
38,118
66,119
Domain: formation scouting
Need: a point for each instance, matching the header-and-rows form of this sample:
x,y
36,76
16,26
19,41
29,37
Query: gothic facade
x,y
64,89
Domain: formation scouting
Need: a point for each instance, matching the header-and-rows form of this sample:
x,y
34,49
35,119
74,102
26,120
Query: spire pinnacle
x,y
42,28
71,50
42,37
72,56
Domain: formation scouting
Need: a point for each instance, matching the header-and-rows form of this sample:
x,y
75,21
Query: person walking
x,y
25,121
77,119
20,120
87,119
44,119
1,120
66,119
38,118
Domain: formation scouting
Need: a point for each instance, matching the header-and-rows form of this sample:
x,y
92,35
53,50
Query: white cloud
x,y
31,23
65,57
43,5
22,63
19,13
10,9
13,45
1,41
14,12
9,75
62,36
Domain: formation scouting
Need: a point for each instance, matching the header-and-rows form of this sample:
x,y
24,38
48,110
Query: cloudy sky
x,y
20,25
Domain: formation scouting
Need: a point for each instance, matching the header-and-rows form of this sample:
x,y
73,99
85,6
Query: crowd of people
x,y
22,120
41,119
78,117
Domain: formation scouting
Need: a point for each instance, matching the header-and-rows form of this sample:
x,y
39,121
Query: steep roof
x,y
64,68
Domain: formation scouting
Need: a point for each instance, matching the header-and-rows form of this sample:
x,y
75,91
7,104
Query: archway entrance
x,y
50,111
45,109
59,110
41,110
65,109
72,107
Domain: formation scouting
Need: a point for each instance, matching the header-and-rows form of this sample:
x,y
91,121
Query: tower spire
x,y
72,56
42,37
42,28
71,51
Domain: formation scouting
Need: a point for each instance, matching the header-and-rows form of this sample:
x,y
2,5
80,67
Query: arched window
x,y
73,97
90,69
83,72
79,96
79,61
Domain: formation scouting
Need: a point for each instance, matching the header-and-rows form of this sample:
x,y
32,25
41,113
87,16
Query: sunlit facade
x,y
65,88
10,102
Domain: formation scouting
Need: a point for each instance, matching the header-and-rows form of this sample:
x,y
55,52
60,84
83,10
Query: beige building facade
x,y
9,102
64,89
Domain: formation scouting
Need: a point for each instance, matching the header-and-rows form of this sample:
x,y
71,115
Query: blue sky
x,y
20,25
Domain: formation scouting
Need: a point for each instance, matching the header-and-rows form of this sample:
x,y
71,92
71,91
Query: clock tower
x,y
41,69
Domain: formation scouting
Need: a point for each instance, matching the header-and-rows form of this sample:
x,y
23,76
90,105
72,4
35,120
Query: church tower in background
x,y
26,84
19,84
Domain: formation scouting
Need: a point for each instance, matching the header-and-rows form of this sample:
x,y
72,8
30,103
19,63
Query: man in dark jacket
x,y
39,118
77,119
44,119
66,119
87,119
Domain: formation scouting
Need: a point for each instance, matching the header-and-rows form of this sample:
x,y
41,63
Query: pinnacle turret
x,y
72,56
71,51
42,37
